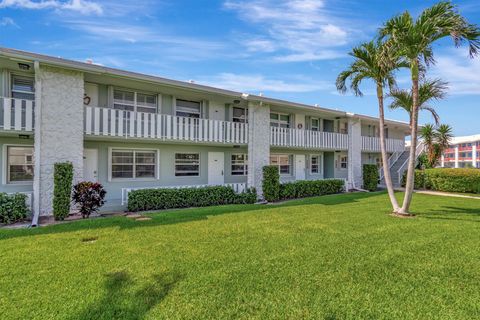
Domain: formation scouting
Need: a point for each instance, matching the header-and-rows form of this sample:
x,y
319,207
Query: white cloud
x,y
295,30
6,21
258,83
461,72
80,6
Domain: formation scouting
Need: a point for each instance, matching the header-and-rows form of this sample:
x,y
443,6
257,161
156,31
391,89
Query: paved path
x,y
446,194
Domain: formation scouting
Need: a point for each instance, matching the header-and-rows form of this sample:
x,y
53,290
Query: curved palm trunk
x,y
413,147
383,148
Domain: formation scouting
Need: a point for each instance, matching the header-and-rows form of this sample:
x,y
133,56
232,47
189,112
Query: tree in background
x,y
436,141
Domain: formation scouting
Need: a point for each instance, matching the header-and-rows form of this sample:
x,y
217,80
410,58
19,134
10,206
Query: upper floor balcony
x,y
372,144
309,139
110,122
16,115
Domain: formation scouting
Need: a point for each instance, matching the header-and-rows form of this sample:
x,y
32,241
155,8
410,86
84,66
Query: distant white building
x,y
463,152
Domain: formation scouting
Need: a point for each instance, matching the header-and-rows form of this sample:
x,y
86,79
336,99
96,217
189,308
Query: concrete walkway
x,y
446,194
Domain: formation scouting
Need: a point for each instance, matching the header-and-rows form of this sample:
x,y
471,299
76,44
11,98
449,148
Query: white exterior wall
x,y
354,153
58,129
456,156
258,144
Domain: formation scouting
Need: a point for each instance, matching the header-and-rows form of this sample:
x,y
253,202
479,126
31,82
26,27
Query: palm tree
x,y
429,90
366,65
412,39
436,141
427,134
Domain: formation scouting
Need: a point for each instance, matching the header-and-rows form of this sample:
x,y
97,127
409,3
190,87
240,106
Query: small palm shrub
x,y
89,196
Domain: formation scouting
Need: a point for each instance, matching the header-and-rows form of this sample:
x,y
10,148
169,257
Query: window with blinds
x,y
134,101
23,87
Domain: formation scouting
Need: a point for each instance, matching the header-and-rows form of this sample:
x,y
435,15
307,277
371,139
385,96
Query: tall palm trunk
x,y
383,148
413,146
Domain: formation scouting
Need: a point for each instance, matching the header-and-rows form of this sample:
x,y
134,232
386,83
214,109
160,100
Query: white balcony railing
x,y
287,137
129,124
372,144
16,114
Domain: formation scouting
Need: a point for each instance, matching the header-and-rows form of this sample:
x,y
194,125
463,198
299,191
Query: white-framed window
x,y
315,124
283,162
133,164
188,109
240,115
343,162
187,164
239,164
19,164
279,120
134,101
316,164
23,87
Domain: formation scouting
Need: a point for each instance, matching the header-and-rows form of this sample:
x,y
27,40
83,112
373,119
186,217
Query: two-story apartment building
x,y
129,130
463,152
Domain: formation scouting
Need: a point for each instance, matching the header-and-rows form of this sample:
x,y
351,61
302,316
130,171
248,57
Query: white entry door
x,y
216,165
299,167
90,165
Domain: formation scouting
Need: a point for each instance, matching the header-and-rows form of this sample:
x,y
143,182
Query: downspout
x,y
37,145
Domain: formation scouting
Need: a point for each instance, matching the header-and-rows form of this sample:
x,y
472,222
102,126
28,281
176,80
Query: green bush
x,y
370,177
168,198
271,183
448,180
62,189
13,207
310,188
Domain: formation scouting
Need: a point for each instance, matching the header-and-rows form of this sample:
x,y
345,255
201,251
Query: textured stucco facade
x,y
354,153
258,144
58,129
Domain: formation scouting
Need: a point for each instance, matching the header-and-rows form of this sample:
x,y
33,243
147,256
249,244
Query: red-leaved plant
x,y
89,196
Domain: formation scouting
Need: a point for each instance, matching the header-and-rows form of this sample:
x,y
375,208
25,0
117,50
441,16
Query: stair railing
x,y
418,151
391,160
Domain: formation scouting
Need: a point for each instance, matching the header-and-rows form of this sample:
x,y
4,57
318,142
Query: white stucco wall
x,y
258,144
354,153
58,129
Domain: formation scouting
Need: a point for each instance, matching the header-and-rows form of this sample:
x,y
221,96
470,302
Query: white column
x,y
474,155
354,153
456,156
442,161
258,144
58,129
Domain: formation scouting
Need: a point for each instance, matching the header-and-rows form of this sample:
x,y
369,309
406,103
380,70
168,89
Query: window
x,y
19,164
23,88
239,164
134,101
240,115
187,164
189,109
279,120
283,162
131,164
315,164
315,124
343,127
343,162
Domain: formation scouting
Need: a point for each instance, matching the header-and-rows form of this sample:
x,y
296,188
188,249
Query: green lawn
x,y
332,257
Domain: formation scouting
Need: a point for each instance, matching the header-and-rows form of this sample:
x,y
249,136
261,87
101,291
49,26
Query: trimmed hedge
x,y
271,183
62,189
168,198
13,207
310,188
370,177
448,180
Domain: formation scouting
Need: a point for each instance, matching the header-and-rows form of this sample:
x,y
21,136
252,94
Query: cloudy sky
x,y
292,49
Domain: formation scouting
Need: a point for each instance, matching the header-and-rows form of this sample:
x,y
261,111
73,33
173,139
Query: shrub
x,y
12,207
310,188
89,196
370,177
168,198
420,180
448,180
62,189
271,183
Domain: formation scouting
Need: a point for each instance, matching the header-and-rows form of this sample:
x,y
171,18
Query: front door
x,y
300,167
90,165
216,165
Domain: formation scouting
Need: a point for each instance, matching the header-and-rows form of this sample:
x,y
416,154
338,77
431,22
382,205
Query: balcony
x,y
16,115
308,139
142,125
372,144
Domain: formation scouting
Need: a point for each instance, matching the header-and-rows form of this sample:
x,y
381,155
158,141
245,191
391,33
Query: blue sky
x,y
291,49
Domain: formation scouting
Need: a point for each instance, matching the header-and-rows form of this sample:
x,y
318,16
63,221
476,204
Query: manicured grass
x,y
332,257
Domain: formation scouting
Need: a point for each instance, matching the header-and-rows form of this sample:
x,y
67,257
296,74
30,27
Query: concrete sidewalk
x,y
446,194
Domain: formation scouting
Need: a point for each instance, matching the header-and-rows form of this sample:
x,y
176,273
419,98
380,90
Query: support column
x,y
442,161
474,155
58,129
456,156
354,153
258,144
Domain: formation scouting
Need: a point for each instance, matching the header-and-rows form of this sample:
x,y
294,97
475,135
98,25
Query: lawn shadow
x,y
175,216
453,213
120,302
